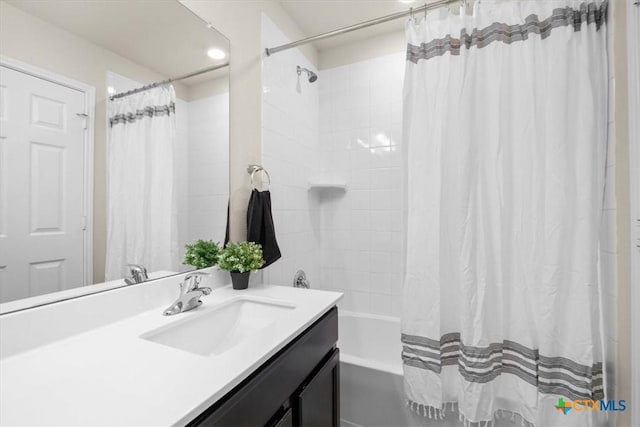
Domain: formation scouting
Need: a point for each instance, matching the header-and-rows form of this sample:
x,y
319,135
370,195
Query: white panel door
x,y
41,186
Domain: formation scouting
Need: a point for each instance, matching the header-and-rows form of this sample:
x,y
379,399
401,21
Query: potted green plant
x,y
240,259
201,254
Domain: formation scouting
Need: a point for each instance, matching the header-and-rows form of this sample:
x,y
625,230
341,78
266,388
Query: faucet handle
x,y
196,273
196,276
192,280
138,272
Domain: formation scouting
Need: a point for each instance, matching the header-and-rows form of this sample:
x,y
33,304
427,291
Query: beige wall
x,y
36,42
621,137
361,50
240,21
208,88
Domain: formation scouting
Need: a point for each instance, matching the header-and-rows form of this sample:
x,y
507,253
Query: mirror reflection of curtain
x,y
141,201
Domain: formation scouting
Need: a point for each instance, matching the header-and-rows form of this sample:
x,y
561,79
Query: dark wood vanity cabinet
x,y
318,403
299,386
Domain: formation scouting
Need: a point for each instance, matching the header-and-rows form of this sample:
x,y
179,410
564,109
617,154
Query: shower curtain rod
x,y
164,82
436,4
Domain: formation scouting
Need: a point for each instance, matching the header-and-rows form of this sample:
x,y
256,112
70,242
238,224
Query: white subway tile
x,y
381,220
396,305
346,302
361,301
360,179
359,138
380,262
360,239
396,283
381,283
381,304
380,115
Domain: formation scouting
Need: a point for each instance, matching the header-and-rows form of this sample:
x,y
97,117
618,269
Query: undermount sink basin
x,y
219,329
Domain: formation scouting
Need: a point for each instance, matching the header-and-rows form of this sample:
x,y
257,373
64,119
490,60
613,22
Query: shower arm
x,y
434,5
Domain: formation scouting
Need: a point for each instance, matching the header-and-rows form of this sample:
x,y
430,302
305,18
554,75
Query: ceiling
x,y
319,16
138,32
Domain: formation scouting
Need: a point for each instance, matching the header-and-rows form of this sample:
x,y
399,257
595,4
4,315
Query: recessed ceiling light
x,y
216,53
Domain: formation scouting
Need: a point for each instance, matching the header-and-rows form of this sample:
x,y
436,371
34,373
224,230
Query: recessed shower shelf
x,y
327,185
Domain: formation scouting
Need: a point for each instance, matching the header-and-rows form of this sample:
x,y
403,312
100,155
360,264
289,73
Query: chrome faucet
x,y
190,294
300,280
138,274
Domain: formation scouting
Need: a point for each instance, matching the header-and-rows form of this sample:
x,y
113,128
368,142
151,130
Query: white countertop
x,y
111,376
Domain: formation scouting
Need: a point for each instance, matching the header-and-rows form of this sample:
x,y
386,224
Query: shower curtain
x,y
505,130
141,211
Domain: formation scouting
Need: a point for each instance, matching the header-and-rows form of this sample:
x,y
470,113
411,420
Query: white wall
x,y
291,154
362,50
361,134
616,247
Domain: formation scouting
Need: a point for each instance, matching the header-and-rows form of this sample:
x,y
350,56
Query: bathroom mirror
x,y
104,163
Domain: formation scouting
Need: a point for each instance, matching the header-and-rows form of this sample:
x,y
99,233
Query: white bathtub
x,y
371,372
370,341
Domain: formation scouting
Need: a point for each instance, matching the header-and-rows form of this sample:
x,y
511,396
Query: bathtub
x,y
371,391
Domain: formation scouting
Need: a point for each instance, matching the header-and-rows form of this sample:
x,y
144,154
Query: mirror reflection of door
x,y
42,132
61,58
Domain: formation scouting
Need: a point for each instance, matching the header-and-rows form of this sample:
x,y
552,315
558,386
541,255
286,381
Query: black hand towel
x,y
260,228
226,231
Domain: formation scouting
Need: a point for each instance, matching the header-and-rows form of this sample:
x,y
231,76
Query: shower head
x,y
312,76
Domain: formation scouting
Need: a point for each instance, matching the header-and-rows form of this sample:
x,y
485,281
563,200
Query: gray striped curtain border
x,y
590,13
551,375
151,111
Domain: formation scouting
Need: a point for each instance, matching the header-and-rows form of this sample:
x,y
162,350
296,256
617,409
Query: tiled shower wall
x,y
344,128
202,169
208,167
290,153
360,140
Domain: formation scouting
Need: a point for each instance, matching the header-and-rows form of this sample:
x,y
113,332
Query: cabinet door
x,y
318,404
286,420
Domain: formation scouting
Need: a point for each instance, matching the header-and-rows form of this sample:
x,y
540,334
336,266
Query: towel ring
x,y
253,169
